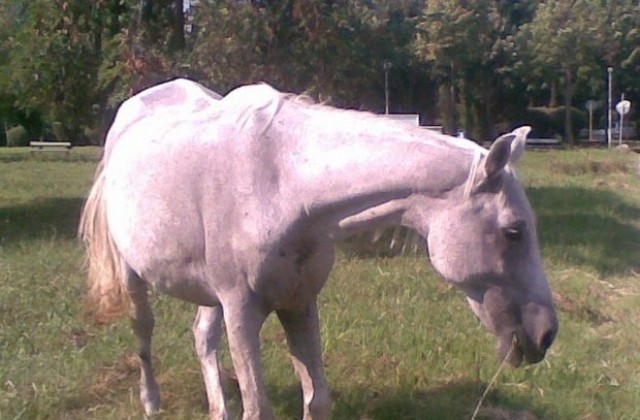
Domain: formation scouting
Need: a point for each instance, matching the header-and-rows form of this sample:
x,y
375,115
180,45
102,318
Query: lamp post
x,y
610,73
386,66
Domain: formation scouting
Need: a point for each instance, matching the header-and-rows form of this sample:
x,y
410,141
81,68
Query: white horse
x,y
235,204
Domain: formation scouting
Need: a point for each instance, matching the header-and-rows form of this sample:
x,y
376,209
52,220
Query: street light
x,y
386,66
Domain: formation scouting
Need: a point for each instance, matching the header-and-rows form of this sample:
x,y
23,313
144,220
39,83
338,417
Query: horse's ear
x,y
498,155
518,144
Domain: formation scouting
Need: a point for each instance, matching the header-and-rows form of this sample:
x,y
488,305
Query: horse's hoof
x,y
151,409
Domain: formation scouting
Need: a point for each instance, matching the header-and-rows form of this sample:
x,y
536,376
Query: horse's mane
x,y
258,98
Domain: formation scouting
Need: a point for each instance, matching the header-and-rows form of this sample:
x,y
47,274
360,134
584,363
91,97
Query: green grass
x,y
399,343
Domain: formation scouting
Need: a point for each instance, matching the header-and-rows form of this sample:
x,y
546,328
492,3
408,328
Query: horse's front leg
x,y
207,330
142,323
302,328
244,316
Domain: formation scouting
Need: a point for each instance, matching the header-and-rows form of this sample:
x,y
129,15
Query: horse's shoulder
x,y
175,95
256,95
182,93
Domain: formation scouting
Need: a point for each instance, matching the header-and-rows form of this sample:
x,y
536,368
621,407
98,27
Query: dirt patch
x,y
119,375
581,310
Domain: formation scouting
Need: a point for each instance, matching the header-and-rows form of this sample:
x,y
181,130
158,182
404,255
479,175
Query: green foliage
x,y
52,58
470,47
549,122
479,63
329,50
17,137
622,47
457,39
558,47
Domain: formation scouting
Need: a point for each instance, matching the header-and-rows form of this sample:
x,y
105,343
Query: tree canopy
x,y
475,65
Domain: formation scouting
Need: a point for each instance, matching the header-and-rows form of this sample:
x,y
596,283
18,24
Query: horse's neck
x,y
370,175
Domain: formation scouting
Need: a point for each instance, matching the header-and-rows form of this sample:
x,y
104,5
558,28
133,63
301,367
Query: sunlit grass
x,y
399,343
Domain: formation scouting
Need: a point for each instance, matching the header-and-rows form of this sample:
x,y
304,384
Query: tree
x,y
457,38
51,62
163,22
561,45
469,45
622,46
331,50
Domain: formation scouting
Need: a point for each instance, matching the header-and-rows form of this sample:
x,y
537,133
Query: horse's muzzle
x,y
531,347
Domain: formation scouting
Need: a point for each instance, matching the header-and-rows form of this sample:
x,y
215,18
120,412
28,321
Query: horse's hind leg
x,y
142,323
207,329
302,328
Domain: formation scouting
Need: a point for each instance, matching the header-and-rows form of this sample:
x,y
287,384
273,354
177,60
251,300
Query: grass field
x,y
399,343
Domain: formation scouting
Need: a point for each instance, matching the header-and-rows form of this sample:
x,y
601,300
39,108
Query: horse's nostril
x,y
547,340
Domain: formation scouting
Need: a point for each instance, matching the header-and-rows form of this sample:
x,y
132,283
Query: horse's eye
x,y
514,231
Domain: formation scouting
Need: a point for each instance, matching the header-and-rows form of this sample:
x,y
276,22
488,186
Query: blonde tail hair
x,y
107,297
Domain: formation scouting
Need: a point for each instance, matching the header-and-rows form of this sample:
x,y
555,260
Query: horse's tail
x,y
107,297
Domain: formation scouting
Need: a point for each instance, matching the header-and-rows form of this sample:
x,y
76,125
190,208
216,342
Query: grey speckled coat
x,y
235,204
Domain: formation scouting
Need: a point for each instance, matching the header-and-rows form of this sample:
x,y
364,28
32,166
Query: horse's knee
x,y
217,413
207,330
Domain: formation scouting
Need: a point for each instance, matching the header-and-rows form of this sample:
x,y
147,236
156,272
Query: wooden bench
x,y
436,128
50,146
536,143
544,143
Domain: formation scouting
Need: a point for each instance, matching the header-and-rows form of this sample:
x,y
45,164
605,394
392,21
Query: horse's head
x,y
484,240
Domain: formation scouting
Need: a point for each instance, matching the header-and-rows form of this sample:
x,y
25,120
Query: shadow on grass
x,y
588,227
44,218
117,381
392,242
456,400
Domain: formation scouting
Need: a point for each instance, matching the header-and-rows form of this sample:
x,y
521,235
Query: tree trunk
x,y
447,109
568,97
553,98
175,20
145,12
468,114
160,17
115,10
482,111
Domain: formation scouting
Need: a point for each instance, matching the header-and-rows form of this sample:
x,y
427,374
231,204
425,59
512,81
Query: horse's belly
x,y
293,277
187,283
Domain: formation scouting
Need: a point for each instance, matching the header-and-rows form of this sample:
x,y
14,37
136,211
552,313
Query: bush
x,y
17,137
549,122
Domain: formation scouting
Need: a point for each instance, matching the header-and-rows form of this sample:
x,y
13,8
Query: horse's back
x,y
160,105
